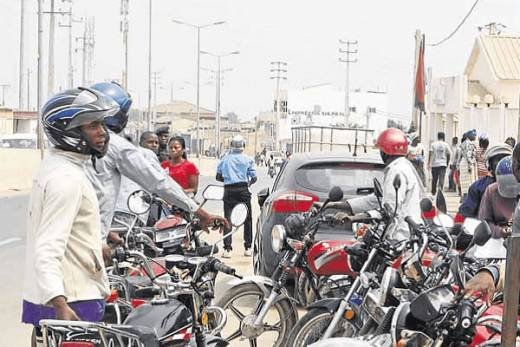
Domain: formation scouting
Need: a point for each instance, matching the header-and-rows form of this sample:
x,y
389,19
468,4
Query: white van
x,y
20,140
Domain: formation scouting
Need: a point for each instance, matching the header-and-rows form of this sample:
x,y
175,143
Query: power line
x,y
457,28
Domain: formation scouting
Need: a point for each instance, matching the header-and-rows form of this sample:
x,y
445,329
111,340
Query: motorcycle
x,y
175,307
270,308
173,234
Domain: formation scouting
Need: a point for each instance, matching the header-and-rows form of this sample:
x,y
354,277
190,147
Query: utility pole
x,y
156,78
347,53
70,73
124,29
149,64
4,87
21,67
91,42
217,101
39,103
198,27
28,89
279,68
50,73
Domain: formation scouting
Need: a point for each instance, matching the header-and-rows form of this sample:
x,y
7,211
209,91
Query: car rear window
x,y
353,178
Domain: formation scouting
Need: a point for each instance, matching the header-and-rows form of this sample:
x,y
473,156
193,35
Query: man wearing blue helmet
x,y
123,158
64,273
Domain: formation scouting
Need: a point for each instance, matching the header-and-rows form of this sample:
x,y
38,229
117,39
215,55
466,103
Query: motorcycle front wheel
x,y
242,302
311,327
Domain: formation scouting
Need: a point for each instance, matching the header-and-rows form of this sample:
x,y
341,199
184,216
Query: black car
x,y
303,180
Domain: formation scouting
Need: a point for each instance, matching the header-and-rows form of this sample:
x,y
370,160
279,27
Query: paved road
x,y
13,211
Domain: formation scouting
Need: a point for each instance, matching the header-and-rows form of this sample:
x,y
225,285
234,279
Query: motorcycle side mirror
x,y
457,270
482,234
440,201
378,191
139,202
335,194
213,192
397,182
238,215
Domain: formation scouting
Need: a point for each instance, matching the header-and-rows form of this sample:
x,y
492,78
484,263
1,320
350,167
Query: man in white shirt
x,y
65,276
438,161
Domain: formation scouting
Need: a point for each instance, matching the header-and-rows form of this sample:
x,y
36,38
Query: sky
x,y
303,33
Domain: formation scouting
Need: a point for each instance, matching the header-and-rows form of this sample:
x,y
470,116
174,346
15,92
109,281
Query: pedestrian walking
x,y
416,157
483,144
237,171
452,176
467,162
438,160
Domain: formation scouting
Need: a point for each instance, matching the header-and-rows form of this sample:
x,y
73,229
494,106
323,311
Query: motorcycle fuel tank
x,y
328,257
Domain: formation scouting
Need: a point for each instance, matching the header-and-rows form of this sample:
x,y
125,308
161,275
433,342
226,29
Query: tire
x,y
304,292
287,314
311,327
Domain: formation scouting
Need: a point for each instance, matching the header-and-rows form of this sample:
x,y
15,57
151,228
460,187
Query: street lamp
x,y
217,108
198,27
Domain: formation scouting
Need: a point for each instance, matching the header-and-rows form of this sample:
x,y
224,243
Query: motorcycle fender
x,y
265,284
215,341
330,304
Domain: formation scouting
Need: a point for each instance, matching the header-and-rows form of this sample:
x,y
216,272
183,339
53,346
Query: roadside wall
x,y
18,166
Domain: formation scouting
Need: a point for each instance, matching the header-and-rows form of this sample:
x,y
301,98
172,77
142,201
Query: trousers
x,y
438,174
235,194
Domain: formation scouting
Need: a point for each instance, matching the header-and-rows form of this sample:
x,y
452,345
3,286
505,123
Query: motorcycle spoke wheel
x,y
273,327
242,303
236,312
235,335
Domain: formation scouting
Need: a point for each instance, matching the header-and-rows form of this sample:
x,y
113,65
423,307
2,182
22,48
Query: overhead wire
x,y
457,28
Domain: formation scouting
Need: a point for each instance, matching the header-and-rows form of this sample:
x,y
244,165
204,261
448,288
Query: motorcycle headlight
x,y
278,236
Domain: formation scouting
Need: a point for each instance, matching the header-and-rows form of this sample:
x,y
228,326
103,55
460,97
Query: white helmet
x,y
238,143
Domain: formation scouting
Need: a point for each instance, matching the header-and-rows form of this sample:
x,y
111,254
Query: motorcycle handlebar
x,y
217,265
466,313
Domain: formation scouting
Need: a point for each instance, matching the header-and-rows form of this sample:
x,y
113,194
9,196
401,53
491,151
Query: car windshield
x,y
353,178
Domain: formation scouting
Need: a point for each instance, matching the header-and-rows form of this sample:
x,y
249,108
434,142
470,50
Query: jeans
x,y
438,174
233,195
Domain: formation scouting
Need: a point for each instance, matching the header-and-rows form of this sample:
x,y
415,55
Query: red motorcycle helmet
x,y
392,141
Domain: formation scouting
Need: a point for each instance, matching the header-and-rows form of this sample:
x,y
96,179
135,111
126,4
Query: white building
x,y
485,97
323,105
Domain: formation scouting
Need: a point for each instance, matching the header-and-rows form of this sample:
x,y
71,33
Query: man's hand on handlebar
x,y
209,221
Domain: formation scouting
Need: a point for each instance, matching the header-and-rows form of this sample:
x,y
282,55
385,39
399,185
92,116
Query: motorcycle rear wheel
x,y
311,327
287,315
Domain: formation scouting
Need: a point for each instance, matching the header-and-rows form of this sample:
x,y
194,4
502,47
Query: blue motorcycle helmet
x,y
117,122
64,114
508,186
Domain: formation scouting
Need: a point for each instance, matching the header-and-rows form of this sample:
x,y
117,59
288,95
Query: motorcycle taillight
x,y
293,201
76,344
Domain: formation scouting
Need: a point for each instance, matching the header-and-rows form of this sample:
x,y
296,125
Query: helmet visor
x,y
508,186
90,107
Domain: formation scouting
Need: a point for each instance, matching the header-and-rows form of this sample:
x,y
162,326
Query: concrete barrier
x,y
18,166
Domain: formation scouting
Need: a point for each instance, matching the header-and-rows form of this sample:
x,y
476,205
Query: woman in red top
x,y
179,168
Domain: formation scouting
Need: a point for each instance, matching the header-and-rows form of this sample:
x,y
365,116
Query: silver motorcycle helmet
x,y
238,143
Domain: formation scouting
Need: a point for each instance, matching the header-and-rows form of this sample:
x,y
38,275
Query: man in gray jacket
x,y
123,158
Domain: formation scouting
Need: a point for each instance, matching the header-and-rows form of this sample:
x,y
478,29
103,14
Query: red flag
x,y
419,79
